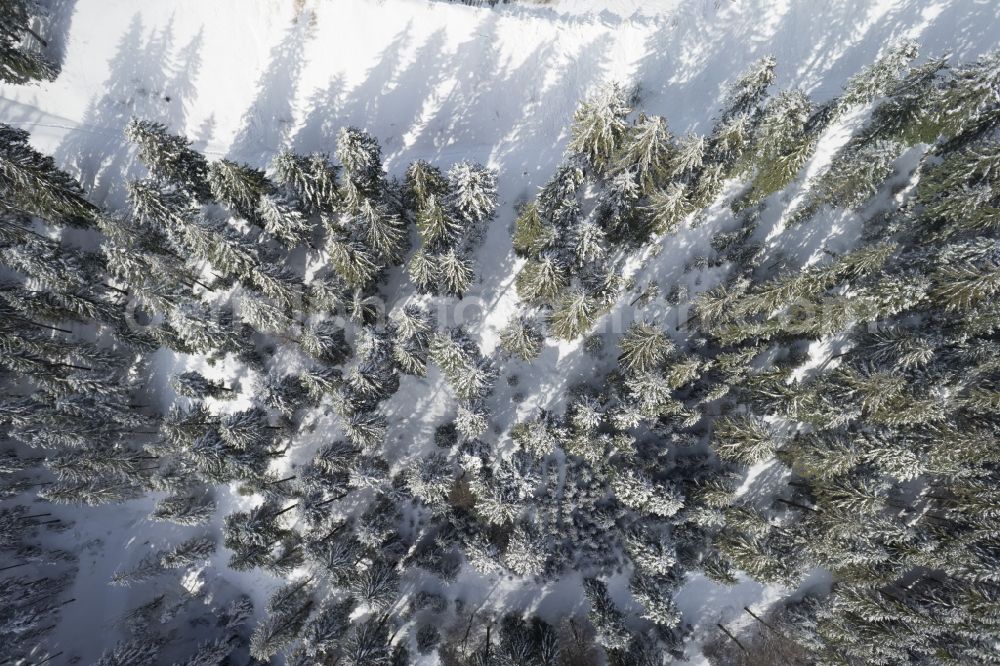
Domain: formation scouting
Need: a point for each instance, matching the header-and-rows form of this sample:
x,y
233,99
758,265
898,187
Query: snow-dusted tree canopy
x,y
720,392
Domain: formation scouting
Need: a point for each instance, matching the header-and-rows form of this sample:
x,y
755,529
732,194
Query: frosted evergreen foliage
x,y
599,127
827,405
473,193
169,157
21,58
31,182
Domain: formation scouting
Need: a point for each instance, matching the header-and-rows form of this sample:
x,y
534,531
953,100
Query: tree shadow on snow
x,y
472,102
268,121
688,59
146,80
55,27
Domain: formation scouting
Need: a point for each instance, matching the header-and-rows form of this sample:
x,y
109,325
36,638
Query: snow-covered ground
x,y
441,82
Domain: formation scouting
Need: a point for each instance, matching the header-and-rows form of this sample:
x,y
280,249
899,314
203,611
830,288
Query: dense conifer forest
x,y
864,379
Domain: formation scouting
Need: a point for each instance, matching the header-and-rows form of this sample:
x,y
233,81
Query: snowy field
x,y
442,82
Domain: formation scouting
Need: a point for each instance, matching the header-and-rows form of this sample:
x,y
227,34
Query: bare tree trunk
x,y
759,619
14,566
287,508
34,34
735,640
47,659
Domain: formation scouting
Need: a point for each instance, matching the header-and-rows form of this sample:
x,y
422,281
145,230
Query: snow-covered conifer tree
x,y
608,621
383,231
312,180
876,79
743,439
746,94
468,372
325,341
288,609
20,61
136,652
322,634
195,385
473,196
599,128
644,347
367,644
170,158
454,273
472,420
424,181
525,553
31,182
655,595
362,159
353,261
283,221
521,338
573,315
436,225
184,509
668,207
649,151
238,186
542,280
